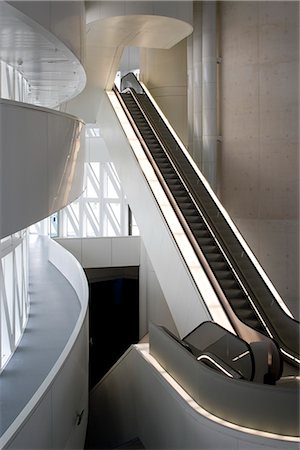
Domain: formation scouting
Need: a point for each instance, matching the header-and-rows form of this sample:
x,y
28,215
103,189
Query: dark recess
x,y
113,317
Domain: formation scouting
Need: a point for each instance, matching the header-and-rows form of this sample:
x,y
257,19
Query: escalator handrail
x,y
260,299
245,253
243,330
217,288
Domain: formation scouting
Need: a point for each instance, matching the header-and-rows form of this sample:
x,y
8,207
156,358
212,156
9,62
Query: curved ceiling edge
x,y
53,71
150,31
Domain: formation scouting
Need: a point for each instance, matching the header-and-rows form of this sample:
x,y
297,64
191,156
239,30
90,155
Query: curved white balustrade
x,y
42,159
64,392
41,170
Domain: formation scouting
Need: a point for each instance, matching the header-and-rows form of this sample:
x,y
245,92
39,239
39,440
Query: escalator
x,y
248,300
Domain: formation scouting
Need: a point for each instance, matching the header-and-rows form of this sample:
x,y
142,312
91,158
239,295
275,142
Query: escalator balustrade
x,y
245,290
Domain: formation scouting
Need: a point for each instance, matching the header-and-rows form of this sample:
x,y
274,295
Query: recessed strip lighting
x,y
144,350
203,357
297,360
240,356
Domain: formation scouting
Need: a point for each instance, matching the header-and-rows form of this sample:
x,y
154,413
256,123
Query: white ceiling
x,y
106,39
54,73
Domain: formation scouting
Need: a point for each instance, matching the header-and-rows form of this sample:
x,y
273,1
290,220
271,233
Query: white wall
x,y
105,251
183,298
42,159
50,418
153,305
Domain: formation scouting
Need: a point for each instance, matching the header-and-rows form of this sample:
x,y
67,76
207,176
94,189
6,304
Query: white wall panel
x,y
23,167
96,252
41,170
104,251
125,252
153,305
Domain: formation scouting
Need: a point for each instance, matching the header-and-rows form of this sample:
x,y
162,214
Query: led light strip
x,y
297,360
144,350
215,364
240,356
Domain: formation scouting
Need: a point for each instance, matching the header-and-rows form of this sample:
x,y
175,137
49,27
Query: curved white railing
x,y
42,169
70,268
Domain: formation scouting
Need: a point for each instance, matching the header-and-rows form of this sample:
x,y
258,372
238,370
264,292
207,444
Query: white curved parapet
x,y
55,415
42,161
149,403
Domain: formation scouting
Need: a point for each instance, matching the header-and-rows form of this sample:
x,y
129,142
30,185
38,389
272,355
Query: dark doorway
x,y
114,316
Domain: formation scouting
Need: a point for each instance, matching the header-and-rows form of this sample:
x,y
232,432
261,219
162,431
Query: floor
x,y
53,301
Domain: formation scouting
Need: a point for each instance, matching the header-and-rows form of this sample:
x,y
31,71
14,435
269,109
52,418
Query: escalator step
x,y
198,227
186,207
214,258
233,293
193,219
210,249
247,314
254,323
224,274
201,234
205,241
229,283
182,200
190,212
239,303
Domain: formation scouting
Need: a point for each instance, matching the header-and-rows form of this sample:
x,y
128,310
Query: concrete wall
x,y
259,121
164,72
